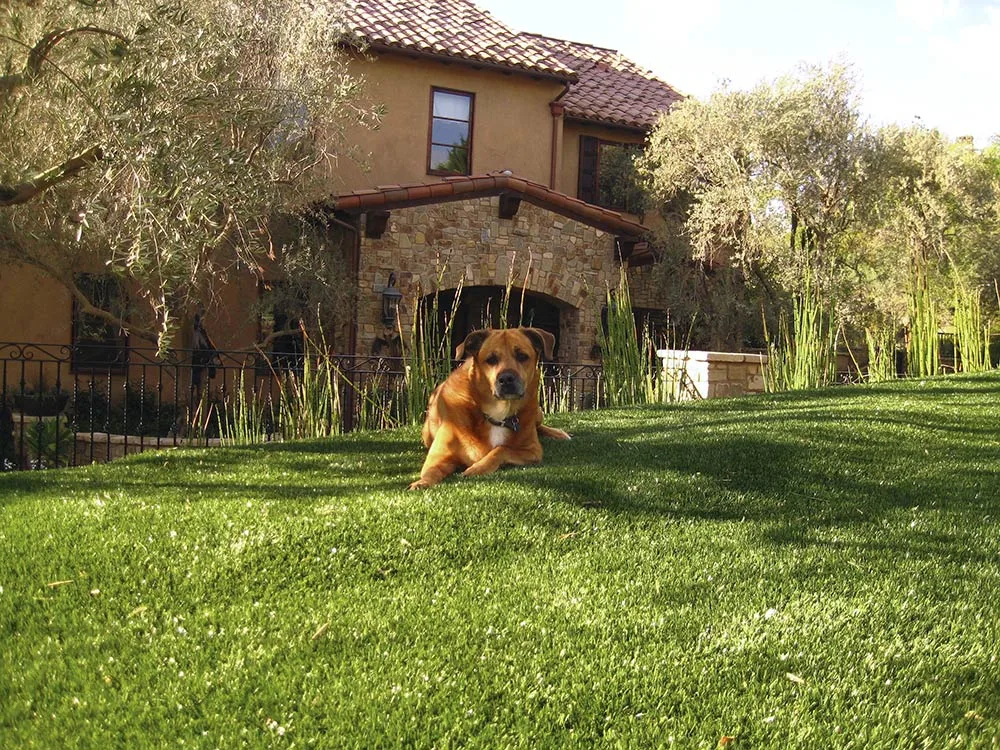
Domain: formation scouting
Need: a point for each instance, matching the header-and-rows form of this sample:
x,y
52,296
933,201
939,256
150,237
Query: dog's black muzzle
x,y
508,385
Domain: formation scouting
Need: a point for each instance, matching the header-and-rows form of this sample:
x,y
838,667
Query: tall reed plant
x,y
629,361
881,344
382,402
505,300
972,337
310,404
922,351
245,419
804,355
428,355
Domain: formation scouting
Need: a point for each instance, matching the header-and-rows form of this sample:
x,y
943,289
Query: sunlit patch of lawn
x,y
819,569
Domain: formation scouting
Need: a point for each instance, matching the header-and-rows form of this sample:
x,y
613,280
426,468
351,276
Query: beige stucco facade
x,y
512,125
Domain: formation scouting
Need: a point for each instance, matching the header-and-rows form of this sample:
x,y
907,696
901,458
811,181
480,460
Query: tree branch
x,y
22,192
38,55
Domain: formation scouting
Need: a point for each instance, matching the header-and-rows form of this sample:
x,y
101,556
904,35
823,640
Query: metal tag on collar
x,y
511,423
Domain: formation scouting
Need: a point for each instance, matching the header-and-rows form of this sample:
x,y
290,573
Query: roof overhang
x,y
381,48
512,190
611,124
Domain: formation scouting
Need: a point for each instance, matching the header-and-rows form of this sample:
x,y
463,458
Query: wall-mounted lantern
x,y
390,301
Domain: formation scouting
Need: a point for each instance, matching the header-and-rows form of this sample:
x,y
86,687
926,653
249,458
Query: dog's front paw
x,y
420,484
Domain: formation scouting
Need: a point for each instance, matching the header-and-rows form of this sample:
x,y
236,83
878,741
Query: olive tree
x,y
156,141
777,181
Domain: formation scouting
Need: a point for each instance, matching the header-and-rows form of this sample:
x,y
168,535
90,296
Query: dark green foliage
x,y
7,452
138,414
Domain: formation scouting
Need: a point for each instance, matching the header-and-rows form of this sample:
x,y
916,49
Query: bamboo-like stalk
x,y
805,354
922,352
428,355
972,338
310,405
629,364
881,343
242,421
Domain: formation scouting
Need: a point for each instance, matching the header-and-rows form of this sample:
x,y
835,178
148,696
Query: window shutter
x,y
587,188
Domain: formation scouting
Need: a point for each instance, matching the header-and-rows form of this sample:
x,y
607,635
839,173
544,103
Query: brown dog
x,y
486,414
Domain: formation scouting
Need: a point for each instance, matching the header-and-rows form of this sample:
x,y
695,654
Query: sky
x,y
936,62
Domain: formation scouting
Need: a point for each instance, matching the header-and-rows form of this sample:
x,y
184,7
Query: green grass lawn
x,y
789,571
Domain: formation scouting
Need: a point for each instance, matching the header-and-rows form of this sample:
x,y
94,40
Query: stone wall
x,y
715,374
443,243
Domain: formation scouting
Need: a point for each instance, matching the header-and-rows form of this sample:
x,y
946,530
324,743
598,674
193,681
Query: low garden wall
x,y
100,447
714,374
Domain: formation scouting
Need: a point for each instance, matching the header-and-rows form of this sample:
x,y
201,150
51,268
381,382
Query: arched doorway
x,y
483,306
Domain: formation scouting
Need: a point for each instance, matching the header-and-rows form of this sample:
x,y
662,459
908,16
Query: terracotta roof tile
x,y
450,28
610,88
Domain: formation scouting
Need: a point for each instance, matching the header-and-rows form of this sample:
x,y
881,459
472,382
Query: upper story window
x,y
450,143
97,343
608,176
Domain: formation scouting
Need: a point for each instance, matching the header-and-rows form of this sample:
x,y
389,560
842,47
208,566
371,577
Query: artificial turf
x,y
797,570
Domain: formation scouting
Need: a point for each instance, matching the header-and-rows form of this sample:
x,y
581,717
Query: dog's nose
x,y
508,385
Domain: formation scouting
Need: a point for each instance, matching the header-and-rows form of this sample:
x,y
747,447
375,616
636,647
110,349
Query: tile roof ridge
x,y
620,62
548,38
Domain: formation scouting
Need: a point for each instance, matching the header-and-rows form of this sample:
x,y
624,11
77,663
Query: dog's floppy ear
x,y
543,341
470,347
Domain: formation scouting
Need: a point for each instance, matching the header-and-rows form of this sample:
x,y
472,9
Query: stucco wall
x,y
33,307
512,127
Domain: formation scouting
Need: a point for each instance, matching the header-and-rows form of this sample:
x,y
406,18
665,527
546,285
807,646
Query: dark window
x,y
450,142
608,176
278,313
97,343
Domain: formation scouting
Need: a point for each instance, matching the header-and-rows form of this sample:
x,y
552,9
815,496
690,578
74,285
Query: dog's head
x,y
506,361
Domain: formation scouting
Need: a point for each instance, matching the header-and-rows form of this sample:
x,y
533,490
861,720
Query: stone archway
x,y
482,306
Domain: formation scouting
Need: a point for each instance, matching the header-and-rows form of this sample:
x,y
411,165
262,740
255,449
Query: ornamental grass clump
x,y
630,364
428,355
310,405
923,357
972,337
881,343
245,419
805,354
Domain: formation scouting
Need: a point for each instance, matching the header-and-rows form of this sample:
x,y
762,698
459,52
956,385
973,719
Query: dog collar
x,y
511,423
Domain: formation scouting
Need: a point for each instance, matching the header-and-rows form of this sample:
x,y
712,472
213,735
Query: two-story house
x,y
496,160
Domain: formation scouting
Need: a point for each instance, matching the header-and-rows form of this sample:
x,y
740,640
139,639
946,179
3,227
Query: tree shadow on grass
x,y
302,470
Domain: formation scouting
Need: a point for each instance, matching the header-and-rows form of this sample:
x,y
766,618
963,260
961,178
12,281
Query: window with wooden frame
x,y
607,175
449,144
99,345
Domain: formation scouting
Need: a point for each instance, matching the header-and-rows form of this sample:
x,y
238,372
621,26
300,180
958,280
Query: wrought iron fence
x,y
70,406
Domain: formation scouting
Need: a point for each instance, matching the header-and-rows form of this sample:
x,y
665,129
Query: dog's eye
x,y
492,359
521,356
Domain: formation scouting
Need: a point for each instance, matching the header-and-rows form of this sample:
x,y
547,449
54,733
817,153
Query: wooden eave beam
x,y
376,223
509,204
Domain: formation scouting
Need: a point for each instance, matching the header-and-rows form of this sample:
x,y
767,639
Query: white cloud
x,y
966,65
927,13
